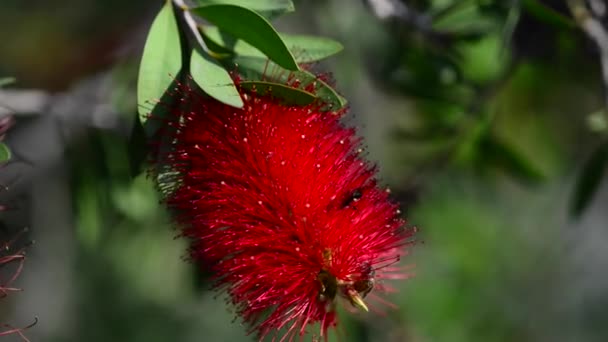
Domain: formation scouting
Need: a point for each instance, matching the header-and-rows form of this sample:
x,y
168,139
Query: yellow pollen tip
x,y
357,301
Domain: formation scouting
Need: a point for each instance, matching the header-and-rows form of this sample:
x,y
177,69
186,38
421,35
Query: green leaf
x,y
5,153
267,8
512,161
251,27
4,81
161,60
306,49
291,95
589,180
464,16
483,60
508,30
325,91
261,69
214,79
547,14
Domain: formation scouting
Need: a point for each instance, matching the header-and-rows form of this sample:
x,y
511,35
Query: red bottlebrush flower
x,y
11,258
279,204
11,265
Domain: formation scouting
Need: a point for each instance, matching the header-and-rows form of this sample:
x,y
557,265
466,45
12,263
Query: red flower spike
x,y
278,203
13,261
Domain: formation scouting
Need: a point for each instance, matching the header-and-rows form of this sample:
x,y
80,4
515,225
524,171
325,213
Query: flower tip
x,y
357,301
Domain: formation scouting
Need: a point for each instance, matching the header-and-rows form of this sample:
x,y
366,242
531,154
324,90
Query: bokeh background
x,y
483,117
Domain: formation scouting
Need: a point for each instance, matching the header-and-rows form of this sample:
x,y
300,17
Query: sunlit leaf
x,y
306,49
251,27
161,60
5,153
589,180
267,8
214,79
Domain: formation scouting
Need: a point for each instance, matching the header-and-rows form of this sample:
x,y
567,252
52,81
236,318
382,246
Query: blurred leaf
x,y
426,74
441,116
509,159
4,81
90,182
492,7
137,201
161,60
483,60
597,122
468,150
291,95
547,15
249,26
267,8
513,16
124,89
474,263
464,16
306,49
261,69
138,256
5,153
422,134
136,148
481,148
450,95
116,153
441,8
214,79
89,208
589,180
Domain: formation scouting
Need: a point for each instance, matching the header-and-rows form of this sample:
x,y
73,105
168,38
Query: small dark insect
x,y
364,286
329,286
355,196
352,290
366,283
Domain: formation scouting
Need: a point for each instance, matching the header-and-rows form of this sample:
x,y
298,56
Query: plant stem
x,y
590,21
